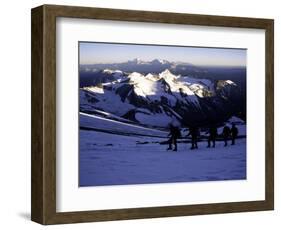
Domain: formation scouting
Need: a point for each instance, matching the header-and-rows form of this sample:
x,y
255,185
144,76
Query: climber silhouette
x,y
174,135
213,132
226,133
234,134
194,133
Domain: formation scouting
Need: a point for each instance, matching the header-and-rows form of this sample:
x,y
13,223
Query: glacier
x,y
117,153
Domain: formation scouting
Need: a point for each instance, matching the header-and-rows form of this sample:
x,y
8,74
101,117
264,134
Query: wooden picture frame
x,y
43,207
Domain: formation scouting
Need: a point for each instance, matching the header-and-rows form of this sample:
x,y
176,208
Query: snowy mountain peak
x,y
224,84
152,77
137,61
135,77
229,82
110,71
159,61
168,76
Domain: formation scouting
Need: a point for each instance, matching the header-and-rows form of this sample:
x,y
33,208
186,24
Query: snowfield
x,y
93,122
116,153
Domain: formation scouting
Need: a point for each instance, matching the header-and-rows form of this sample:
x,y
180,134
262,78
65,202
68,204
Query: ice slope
x,y
106,100
93,122
109,159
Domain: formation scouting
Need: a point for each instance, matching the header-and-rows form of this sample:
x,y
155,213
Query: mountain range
x,y
94,73
157,99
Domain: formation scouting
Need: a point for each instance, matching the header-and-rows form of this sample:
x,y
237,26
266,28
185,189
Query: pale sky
x,y
91,53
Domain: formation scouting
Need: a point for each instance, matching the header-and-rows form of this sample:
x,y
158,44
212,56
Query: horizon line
x,y
176,62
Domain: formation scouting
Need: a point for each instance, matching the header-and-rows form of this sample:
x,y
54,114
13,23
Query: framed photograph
x,y
140,114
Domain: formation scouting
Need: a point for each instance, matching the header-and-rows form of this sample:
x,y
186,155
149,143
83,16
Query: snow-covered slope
x,y
97,123
110,159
